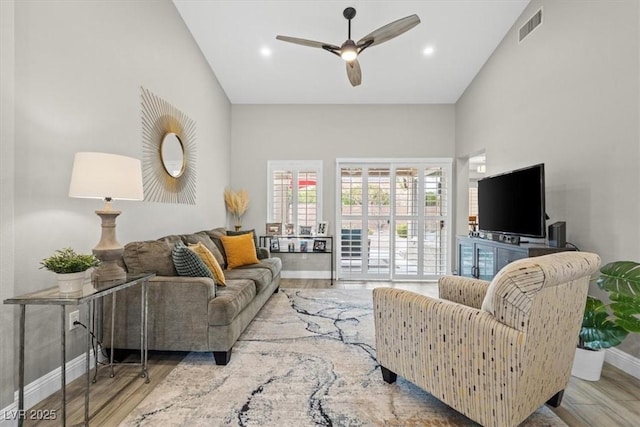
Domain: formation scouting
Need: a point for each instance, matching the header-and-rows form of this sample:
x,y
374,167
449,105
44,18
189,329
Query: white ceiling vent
x,y
530,25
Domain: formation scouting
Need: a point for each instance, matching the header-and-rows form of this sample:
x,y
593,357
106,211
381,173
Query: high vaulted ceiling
x,y
238,39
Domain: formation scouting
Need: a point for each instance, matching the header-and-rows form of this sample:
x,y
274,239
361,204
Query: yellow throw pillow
x,y
210,261
240,250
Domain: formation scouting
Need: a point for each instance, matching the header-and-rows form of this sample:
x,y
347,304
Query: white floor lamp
x,y
109,177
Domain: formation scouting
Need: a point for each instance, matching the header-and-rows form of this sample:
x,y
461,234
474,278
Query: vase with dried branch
x,y
237,203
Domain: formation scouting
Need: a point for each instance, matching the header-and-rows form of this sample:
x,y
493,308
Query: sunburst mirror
x,y
168,152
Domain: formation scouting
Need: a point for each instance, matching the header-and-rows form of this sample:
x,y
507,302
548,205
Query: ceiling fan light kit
x,y
349,50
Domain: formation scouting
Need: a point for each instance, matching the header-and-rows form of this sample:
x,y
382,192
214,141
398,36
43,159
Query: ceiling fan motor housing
x,y
349,13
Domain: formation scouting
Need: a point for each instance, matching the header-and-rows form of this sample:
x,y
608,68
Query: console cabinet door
x,y
466,259
506,256
485,261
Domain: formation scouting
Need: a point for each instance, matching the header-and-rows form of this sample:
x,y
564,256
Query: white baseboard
x,y
623,361
43,387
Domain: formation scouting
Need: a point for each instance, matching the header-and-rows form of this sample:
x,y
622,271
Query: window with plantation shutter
x,y
295,192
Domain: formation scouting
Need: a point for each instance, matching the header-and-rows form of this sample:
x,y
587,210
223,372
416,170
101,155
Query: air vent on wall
x,y
530,25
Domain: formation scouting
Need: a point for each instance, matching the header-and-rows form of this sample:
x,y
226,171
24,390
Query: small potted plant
x,y
607,325
70,267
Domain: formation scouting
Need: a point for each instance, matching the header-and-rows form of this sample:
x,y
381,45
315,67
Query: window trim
x,y
295,166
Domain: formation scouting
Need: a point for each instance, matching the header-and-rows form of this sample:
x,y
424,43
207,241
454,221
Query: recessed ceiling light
x,y
265,51
429,50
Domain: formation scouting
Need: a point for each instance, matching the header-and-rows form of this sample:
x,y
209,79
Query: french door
x,y
394,219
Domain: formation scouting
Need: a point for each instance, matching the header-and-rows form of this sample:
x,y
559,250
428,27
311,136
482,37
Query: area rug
x,y
307,359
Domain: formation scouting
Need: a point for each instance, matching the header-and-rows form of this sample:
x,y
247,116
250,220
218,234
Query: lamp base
x,y
108,251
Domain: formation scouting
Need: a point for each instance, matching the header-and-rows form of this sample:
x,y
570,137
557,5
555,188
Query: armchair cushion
x,y
463,290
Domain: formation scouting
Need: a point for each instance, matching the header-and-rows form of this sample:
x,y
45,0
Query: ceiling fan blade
x,y
389,31
354,72
309,43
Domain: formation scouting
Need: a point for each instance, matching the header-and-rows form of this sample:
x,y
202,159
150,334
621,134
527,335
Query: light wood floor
x,y
612,401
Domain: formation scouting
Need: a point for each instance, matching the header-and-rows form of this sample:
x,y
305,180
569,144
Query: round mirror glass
x,y
172,153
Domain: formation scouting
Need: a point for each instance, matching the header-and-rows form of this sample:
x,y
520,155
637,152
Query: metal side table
x,y
52,296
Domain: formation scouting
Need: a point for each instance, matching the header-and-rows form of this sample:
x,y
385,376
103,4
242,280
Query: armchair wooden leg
x,y
222,357
556,399
388,376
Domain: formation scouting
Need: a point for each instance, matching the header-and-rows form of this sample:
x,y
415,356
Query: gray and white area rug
x,y
307,359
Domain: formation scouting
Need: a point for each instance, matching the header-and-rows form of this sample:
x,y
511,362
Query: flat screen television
x,y
513,203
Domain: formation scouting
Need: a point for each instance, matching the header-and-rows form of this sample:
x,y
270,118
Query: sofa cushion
x,y
188,263
260,275
210,261
215,235
274,264
241,232
230,301
202,237
151,256
240,250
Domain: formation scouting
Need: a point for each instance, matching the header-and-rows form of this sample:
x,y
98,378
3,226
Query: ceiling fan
x,y
350,50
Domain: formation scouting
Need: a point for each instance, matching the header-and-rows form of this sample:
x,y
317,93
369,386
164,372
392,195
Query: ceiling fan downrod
x,y
349,13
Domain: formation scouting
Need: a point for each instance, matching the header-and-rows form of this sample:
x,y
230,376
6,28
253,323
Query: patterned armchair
x,y
494,352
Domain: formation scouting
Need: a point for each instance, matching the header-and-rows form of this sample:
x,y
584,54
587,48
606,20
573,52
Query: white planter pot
x,y
587,364
71,282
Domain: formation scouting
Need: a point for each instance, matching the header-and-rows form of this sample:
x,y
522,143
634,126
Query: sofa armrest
x,y
177,317
263,253
202,288
463,290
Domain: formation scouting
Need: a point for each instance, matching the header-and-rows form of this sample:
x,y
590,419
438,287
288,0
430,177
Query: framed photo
x,y
289,229
305,230
274,229
319,245
304,245
274,246
323,228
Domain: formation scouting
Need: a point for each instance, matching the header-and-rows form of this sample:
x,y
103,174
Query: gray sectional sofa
x,y
190,313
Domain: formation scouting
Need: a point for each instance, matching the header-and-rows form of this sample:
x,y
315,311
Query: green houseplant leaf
x,y
68,261
607,325
598,332
621,277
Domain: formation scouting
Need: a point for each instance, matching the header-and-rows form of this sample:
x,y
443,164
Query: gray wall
x,y
568,96
78,70
327,132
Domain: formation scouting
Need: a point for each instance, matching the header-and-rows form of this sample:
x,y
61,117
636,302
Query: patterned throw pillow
x,y
210,261
188,263
240,250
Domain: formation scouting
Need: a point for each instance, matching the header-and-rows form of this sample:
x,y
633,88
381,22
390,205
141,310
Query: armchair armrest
x,y
463,290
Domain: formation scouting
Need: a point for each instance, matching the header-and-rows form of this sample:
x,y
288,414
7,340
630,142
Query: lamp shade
x,y
104,176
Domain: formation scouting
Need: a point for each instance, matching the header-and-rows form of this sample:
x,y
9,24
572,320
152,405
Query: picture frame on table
x,y
289,229
274,229
304,245
305,230
319,245
274,245
323,228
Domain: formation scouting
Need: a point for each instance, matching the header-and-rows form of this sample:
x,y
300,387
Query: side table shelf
x,y
52,296
300,244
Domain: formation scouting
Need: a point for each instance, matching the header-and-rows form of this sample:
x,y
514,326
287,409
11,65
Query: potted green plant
x,y
70,268
607,325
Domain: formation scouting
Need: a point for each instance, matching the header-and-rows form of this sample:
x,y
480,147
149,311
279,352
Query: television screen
x,y
513,203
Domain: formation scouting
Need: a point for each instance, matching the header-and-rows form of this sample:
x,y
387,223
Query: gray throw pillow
x,y
188,263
